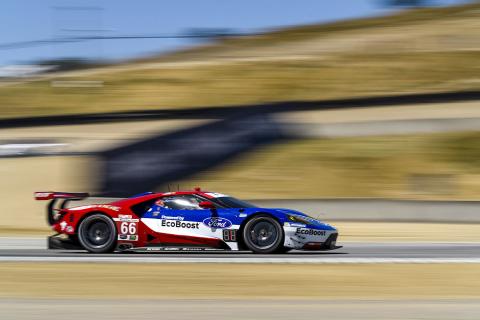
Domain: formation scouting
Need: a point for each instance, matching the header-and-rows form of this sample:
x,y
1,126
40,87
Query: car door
x,y
182,215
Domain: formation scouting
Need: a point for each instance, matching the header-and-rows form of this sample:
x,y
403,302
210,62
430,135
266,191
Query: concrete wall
x,y
21,177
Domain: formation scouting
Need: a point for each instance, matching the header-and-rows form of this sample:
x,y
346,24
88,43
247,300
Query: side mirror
x,y
206,205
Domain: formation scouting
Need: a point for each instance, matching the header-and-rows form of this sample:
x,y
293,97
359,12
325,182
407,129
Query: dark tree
x,y
69,64
209,33
407,3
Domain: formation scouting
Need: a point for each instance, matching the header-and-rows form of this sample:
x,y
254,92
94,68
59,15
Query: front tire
x,y
263,234
97,234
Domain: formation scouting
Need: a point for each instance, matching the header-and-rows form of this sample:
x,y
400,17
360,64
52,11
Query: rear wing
x,y
52,217
50,195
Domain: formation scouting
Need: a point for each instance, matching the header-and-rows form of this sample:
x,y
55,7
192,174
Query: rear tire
x,y
263,234
97,234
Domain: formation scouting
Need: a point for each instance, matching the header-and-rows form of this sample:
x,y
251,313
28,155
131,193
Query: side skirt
x,y
172,249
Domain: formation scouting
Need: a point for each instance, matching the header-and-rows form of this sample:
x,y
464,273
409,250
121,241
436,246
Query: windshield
x,y
231,202
186,202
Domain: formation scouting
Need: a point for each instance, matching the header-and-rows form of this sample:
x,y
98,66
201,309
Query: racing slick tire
x,y
97,234
263,234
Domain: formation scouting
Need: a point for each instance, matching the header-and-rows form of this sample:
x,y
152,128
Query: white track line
x,y
23,243
40,243
244,260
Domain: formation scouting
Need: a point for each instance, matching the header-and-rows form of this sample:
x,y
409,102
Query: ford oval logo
x,y
218,223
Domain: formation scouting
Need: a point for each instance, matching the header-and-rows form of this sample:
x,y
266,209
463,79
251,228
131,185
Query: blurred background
x,y
353,109
348,99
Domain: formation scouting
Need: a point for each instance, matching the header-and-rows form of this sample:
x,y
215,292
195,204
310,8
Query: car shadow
x,y
203,253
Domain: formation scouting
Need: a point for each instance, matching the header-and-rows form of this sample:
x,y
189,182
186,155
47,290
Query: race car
x,y
183,220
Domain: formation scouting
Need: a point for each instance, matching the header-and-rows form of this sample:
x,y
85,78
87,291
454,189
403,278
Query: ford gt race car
x,y
183,220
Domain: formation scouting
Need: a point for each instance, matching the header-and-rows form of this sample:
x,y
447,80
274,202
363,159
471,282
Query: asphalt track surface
x,y
29,249
34,250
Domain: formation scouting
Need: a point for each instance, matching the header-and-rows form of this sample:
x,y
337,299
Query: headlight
x,y
298,219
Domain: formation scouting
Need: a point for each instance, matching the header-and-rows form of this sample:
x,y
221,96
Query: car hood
x,y
289,211
313,221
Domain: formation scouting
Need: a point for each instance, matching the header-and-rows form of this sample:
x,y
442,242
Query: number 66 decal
x,y
128,228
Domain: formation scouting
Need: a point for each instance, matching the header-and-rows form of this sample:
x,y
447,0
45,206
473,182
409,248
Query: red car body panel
x,y
120,211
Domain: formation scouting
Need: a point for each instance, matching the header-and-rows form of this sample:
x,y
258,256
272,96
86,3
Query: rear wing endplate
x,y
53,197
50,195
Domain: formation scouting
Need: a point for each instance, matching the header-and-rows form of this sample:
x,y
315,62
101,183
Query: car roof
x,y
205,194
152,195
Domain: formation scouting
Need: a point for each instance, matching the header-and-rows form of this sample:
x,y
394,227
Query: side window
x,y
141,208
185,202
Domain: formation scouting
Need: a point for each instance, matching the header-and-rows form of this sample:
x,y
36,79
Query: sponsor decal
x,y
128,237
180,249
43,194
292,217
217,223
65,227
127,228
310,232
81,207
295,224
110,207
180,224
105,206
172,217
125,218
121,219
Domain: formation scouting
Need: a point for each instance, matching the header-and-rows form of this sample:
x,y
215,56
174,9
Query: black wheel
x,y
263,234
97,234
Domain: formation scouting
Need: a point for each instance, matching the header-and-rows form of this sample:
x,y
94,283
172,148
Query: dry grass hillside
x,y
440,166
426,50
